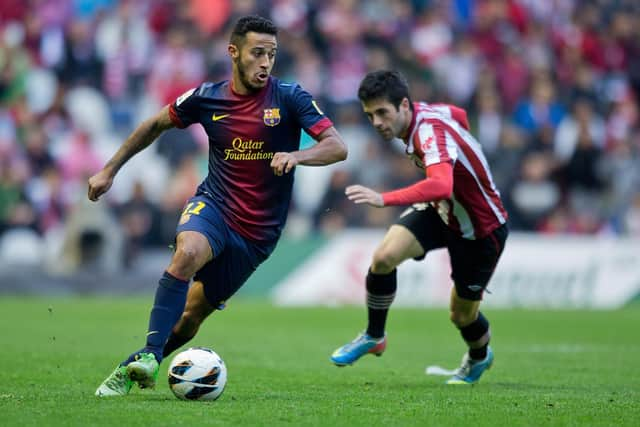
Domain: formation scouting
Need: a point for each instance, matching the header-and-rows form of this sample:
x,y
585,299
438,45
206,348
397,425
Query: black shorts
x,y
472,261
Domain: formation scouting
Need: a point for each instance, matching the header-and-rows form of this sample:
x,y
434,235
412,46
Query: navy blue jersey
x,y
245,131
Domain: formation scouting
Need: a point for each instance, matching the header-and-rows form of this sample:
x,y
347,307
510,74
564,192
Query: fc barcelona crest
x,y
271,116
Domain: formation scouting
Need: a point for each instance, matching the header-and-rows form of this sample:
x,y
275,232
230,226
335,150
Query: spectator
x,y
540,109
582,119
139,219
553,90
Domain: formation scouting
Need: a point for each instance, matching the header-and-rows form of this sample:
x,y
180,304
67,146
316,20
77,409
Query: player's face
x,y
253,61
390,122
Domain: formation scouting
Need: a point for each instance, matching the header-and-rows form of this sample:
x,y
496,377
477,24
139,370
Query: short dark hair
x,y
384,84
254,23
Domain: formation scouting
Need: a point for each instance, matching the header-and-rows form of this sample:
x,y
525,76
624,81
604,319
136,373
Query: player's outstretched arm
x,y
140,138
437,186
330,148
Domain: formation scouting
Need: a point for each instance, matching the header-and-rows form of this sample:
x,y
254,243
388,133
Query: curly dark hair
x,y
254,23
384,84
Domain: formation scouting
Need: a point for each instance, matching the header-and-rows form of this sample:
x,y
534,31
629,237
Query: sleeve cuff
x,y
173,115
322,125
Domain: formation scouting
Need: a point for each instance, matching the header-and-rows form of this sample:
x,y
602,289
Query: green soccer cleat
x,y
116,384
144,370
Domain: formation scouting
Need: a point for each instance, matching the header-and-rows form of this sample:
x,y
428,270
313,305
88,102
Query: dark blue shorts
x,y
235,258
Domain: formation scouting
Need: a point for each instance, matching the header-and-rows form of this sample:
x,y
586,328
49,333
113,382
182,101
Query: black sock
x,y
478,353
173,343
381,289
477,335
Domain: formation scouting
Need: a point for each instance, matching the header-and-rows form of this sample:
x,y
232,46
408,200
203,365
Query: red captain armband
x,y
437,186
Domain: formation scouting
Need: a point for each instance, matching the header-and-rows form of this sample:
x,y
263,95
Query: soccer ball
x,y
197,374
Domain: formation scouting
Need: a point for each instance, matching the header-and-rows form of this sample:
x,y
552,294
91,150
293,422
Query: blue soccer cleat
x,y
361,345
471,370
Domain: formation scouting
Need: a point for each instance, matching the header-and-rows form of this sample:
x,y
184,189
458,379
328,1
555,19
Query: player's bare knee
x,y
461,318
383,262
186,260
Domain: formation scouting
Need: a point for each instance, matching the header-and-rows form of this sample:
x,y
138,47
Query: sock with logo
x,y
170,299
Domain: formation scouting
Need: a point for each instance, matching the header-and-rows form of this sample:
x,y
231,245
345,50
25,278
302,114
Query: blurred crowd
x,y
552,89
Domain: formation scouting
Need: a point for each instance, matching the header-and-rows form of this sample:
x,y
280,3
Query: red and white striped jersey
x,y
440,133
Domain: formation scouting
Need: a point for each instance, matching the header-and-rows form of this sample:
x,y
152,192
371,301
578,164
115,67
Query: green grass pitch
x,y
573,368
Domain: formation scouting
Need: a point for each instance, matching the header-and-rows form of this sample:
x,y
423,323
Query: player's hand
x,y
361,194
99,184
283,163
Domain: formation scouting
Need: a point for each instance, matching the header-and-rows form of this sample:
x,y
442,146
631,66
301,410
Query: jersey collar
x,y
249,95
412,124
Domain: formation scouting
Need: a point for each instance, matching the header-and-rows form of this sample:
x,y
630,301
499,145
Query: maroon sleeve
x,y
174,117
322,125
186,109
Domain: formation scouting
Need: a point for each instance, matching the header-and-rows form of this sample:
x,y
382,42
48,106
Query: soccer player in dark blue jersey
x,y
233,222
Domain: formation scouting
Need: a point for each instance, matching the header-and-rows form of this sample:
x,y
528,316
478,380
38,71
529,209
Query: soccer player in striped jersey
x,y
232,224
456,206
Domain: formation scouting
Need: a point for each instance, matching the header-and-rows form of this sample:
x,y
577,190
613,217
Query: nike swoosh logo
x,y
220,117
153,332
